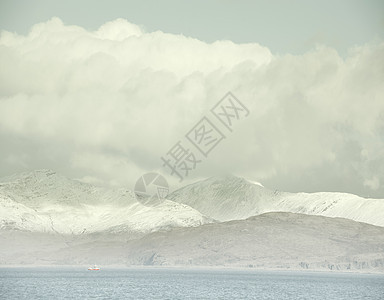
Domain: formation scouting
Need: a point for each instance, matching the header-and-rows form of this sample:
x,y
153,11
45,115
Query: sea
x,y
175,283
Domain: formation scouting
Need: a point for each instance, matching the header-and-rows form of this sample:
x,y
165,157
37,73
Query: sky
x,y
284,27
102,91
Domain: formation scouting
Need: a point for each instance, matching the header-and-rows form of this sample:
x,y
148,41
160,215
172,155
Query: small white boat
x,y
94,268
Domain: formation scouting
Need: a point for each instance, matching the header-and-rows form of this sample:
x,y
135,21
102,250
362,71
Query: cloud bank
x,y
105,105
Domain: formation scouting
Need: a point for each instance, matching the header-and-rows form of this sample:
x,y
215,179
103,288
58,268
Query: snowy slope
x,y
45,188
227,198
47,202
44,201
233,198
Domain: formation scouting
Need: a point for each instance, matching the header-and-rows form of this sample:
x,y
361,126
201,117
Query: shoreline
x,y
199,268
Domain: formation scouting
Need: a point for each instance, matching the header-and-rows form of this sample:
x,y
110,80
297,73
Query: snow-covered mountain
x,y
46,218
233,198
44,201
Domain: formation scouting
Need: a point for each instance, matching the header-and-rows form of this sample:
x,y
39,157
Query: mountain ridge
x,y
226,199
47,202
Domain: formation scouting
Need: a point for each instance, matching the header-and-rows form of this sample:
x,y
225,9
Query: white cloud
x,y
107,104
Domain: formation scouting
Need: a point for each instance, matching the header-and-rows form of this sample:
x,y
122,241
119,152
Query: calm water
x,y
67,283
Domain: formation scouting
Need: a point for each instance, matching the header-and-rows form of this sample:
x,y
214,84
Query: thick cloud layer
x,y
104,106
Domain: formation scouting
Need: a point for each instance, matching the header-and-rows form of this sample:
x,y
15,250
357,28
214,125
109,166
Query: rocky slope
x,y
268,241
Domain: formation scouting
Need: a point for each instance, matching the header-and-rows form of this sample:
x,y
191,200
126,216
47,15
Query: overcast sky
x,y
100,91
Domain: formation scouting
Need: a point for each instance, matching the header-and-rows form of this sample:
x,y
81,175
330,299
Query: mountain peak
x,y
227,181
224,198
230,178
47,172
31,174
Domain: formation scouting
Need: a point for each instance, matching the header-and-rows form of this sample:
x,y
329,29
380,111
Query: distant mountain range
x,y
46,218
43,201
234,198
